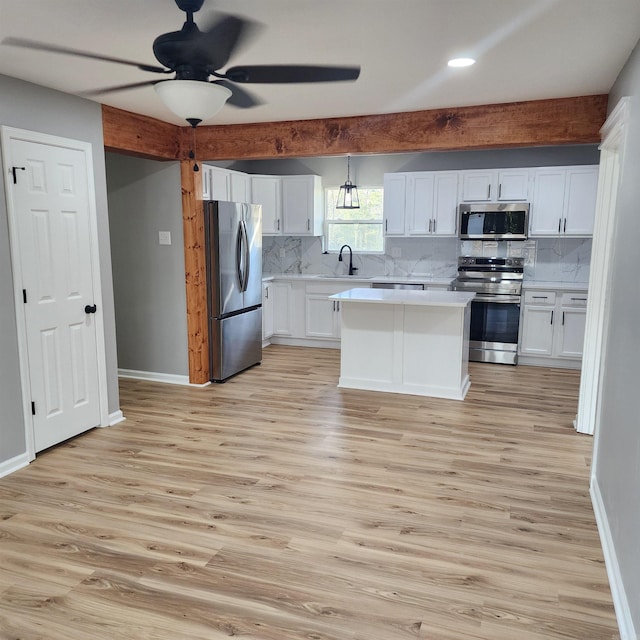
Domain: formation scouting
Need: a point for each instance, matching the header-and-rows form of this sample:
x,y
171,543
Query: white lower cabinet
x,y
552,327
282,298
322,316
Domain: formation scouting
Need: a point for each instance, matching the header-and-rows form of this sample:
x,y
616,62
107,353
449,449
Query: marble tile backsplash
x,y
552,259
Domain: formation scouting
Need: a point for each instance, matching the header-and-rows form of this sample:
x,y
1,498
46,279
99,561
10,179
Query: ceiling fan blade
x,y
118,87
223,38
239,97
285,73
53,48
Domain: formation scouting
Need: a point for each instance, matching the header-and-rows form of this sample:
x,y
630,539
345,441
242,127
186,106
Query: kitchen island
x,y
414,342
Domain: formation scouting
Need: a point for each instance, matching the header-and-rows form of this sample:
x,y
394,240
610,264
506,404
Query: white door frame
x,y
7,134
613,134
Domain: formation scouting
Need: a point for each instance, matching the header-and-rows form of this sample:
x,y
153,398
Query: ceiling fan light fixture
x,y
192,100
348,194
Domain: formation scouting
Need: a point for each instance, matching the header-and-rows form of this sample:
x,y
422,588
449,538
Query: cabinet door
x,y
537,331
297,205
267,310
282,301
419,203
547,204
220,184
321,316
265,190
580,201
477,186
240,187
394,203
445,203
513,184
571,333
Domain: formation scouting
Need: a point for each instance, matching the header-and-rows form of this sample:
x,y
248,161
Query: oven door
x,y
494,328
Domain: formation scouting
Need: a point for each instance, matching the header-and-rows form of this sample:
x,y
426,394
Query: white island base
x,y
414,342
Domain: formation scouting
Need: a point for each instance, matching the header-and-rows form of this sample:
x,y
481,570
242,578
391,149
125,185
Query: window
x,y
360,228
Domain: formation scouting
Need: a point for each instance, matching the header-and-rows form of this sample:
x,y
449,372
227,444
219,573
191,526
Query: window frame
x,y
327,221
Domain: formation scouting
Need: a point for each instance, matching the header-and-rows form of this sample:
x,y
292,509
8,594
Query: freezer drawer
x,y
235,343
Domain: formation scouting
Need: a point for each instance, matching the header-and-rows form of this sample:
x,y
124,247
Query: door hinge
x,y
33,408
13,171
24,296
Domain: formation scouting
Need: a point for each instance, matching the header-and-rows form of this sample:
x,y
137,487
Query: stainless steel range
x,y
495,311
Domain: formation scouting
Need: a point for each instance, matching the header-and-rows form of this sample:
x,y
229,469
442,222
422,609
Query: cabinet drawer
x,y
574,299
540,297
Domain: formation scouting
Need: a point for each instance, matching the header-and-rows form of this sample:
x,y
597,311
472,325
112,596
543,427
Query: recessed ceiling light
x,y
461,62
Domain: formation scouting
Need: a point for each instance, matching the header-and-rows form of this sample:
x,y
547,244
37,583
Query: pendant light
x,y
348,195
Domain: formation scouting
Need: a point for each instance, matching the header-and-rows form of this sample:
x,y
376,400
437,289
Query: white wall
x,y
617,472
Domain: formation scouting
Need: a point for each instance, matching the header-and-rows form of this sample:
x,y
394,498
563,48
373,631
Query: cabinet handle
x,y
552,316
499,191
278,222
489,193
559,224
266,293
386,225
333,302
434,225
337,305
430,221
539,297
563,318
578,299
565,226
308,224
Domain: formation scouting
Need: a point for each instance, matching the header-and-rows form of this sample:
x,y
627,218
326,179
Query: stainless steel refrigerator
x,y
233,234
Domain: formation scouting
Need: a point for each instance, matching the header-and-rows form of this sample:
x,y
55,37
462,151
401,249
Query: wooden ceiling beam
x,y
137,135
517,124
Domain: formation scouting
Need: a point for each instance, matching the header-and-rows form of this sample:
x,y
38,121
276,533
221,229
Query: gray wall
x,y
28,106
617,469
148,278
367,171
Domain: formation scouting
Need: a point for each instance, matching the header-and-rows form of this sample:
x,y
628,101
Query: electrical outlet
x,y
283,253
396,252
164,237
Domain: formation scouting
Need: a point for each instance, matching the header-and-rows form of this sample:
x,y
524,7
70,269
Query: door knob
x,y
90,308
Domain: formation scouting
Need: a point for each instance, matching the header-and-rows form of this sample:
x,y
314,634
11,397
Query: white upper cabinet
x,y
265,190
291,205
394,203
220,184
431,203
564,201
302,211
495,185
239,186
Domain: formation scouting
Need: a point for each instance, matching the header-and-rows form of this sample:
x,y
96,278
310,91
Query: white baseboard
x,y
153,376
306,342
13,464
618,594
115,418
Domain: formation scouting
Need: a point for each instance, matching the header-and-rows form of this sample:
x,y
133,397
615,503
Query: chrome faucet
x,y
351,267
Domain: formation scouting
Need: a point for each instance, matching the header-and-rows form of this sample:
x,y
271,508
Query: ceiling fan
x,y
196,57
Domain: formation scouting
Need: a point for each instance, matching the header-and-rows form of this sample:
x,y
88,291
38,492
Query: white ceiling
x,y
526,50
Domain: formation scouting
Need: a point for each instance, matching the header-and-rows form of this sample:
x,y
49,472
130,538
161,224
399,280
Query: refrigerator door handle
x,y
239,246
247,255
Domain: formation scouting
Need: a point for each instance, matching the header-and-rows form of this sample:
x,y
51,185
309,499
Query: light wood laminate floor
x,y
277,506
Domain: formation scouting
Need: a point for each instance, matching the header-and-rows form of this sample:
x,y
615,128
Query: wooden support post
x,y
195,273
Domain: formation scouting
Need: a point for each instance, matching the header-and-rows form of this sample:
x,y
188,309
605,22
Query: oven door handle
x,y
499,299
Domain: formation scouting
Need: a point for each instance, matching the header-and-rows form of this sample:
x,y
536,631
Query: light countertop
x,y
555,286
356,279
407,297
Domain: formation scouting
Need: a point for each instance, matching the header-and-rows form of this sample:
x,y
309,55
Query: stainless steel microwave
x,y
493,221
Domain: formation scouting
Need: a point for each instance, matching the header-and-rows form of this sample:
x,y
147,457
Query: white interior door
x,y
50,211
